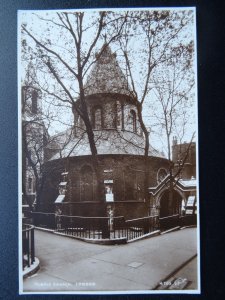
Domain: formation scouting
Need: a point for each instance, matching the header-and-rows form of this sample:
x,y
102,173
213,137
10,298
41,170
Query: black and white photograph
x,y
108,151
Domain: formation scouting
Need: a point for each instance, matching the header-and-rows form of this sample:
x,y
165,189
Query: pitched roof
x,y
183,185
106,75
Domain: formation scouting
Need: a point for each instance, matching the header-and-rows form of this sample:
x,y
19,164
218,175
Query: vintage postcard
x,y
108,151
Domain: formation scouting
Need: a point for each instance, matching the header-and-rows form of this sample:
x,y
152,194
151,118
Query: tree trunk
x,y
146,152
91,139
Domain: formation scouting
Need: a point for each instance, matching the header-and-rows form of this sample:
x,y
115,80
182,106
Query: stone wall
x,y
126,171
115,113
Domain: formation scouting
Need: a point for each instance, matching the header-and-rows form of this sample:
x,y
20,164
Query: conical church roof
x,y
107,142
106,75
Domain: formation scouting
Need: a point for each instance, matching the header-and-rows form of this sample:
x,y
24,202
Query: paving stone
x,y
135,264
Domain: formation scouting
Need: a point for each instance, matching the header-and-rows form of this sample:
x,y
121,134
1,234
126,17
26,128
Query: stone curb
x,y
44,229
171,230
32,269
189,226
148,235
96,241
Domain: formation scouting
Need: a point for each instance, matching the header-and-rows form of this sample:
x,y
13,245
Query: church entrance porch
x,y
170,210
170,203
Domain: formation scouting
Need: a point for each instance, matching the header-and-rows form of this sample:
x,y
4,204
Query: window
x,y
86,182
30,184
24,98
161,174
29,158
97,117
133,120
34,102
122,110
130,185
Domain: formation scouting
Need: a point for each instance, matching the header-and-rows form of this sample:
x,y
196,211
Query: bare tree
x,y
162,35
35,137
64,53
173,91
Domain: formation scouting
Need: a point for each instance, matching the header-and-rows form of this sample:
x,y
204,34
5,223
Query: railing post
x,y
105,228
32,246
28,245
146,226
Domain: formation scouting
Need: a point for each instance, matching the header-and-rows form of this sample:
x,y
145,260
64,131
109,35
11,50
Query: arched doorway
x,y
167,209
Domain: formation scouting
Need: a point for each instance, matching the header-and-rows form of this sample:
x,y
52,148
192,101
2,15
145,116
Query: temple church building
x,y
69,178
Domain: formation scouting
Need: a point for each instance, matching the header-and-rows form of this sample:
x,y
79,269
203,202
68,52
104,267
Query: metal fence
x,y
28,245
44,220
109,228
188,220
141,226
97,227
169,222
84,227
173,221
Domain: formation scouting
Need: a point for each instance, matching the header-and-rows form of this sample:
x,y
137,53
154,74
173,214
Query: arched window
x,y
30,184
130,185
34,98
24,98
133,120
97,117
161,174
86,183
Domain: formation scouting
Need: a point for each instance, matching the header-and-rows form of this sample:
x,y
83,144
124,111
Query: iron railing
x,y
141,226
169,222
108,228
96,227
28,245
173,221
84,227
188,220
44,220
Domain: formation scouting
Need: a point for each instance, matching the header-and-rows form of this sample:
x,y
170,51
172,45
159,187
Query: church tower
x,y
33,137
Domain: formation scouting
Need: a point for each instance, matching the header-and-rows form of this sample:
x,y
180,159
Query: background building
x,y
33,141
184,155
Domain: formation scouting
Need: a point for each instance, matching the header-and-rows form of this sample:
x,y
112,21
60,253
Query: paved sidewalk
x,y
70,265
